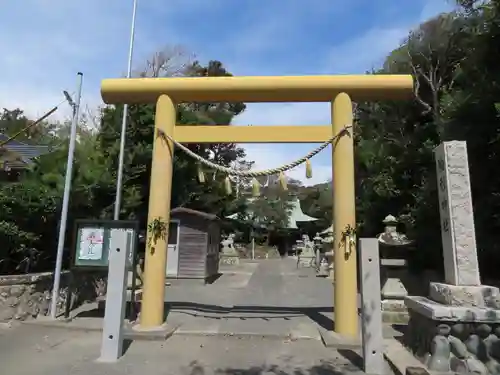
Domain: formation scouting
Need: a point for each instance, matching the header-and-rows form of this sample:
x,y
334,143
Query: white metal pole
x,y
65,203
123,133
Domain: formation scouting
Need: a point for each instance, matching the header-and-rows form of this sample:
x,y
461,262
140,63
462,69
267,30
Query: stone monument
x,y
458,327
394,253
229,255
457,218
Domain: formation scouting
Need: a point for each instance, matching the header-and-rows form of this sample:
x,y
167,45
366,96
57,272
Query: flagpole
x,y
119,181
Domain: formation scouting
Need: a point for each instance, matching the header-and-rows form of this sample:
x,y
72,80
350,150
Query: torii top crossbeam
x,y
258,89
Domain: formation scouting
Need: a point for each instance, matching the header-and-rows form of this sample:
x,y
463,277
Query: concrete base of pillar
x,y
159,333
307,261
332,339
229,259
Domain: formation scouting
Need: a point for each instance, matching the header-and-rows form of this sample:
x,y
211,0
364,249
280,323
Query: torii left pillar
x,y
160,194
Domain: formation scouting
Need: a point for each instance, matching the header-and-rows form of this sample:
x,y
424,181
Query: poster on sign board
x,y
91,244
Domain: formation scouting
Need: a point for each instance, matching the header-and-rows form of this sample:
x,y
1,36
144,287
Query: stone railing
x,y
28,296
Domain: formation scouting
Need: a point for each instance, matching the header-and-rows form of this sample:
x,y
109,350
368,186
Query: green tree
x,y
186,190
14,121
472,113
30,218
453,60
317,202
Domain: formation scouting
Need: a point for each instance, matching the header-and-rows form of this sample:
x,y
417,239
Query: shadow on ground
x,y
324,368
127,343
316,314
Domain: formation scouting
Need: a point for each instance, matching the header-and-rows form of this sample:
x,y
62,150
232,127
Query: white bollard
x,y
120,244
371,310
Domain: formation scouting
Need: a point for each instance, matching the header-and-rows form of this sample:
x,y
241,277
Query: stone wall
x,y
28,296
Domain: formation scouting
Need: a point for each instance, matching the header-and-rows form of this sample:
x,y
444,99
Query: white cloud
x,y
285,114
40,58
365,52
369,49
354,56
266,157
36,101
44,55
276,27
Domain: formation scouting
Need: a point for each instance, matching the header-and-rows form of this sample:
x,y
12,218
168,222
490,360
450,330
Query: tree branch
x,y
417,73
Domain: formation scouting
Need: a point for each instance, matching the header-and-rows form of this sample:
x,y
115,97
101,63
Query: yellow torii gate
x,y
339,90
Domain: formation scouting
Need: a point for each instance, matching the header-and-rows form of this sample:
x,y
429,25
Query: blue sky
x,y
45,42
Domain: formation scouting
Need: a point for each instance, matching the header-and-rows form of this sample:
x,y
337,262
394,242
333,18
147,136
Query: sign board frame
x,y
100,229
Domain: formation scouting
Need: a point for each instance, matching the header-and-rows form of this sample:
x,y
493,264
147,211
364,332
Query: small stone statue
x,y
495,344
440,353
464,361
228,245
480,345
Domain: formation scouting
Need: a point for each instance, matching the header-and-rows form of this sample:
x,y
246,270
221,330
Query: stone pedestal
x,y
327,244
329,256
393,290
229,259
229,255
307,257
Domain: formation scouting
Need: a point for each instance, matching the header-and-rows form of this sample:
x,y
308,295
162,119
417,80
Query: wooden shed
x,y
193,244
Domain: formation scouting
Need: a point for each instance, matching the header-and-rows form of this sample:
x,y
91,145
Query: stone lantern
x,y
395,249
318,240
318,246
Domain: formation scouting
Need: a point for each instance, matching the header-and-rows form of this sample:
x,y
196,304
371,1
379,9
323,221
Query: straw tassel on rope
x,y
268,172
282,180
255,187
309,170
227,186
201,174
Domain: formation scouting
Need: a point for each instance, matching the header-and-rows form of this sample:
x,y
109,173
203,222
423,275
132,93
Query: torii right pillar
x,y
344,215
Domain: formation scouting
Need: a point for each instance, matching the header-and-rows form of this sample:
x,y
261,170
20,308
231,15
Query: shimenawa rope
x,y
254,174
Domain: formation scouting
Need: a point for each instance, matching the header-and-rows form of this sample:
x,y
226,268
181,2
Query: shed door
x,y
173,249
